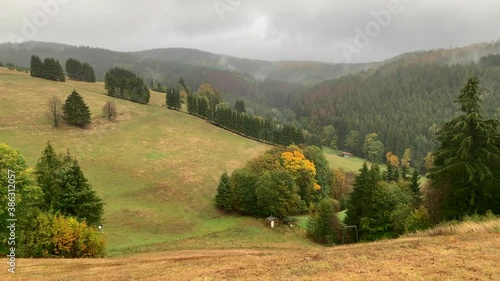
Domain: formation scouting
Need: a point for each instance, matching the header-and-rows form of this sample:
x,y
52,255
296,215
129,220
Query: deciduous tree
x,y
109,110
55,112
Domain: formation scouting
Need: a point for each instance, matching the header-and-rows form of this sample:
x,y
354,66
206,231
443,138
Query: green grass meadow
x,y
156,169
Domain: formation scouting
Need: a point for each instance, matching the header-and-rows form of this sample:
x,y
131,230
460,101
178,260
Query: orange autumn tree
x,y
392,173
392,159
304,173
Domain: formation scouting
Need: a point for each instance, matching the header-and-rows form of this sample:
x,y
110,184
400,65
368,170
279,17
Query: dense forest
x,y
402,104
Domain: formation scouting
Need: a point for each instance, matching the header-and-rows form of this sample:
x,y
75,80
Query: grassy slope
x,y
468,253
156,169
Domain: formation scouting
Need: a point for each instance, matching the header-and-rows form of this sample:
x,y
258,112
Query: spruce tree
x,y
47,169
36,67
52,70
357,198
239,106
467,161
191,104
74,69
225,196
76,196
415,187
202,106
76,112
88,74
177,100
169,98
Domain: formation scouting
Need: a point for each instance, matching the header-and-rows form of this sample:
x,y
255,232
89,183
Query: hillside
x,y
471,253
403,102
300,72
167,67
145,166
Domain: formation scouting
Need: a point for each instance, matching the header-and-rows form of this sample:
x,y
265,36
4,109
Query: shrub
x,y
419,219
324,226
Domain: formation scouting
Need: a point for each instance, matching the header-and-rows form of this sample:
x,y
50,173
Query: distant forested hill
x,y
402,99
168,66
404,102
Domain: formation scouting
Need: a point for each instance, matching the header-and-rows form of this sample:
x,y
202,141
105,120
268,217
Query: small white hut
x,y
273,221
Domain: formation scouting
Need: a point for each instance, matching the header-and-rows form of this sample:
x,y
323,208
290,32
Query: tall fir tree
x,y
467,161
47,176
415,188
191,104
36,67
53,70
77,198
225,196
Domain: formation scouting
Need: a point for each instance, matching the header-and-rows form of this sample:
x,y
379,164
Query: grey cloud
x,y
277,30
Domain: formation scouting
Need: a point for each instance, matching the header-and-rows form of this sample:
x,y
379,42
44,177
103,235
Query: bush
x,y
419,219
324,226
51,236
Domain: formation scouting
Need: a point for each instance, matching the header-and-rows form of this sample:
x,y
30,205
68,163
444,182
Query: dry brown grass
x,y
469,227
453,257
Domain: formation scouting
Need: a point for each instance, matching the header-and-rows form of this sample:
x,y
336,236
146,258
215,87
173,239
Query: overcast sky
x,y
322,30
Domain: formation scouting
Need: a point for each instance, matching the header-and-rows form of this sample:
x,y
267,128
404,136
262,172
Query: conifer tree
x,y
76,196
467,166
177,100
46,172
76,112
225,197
36,67
202,106
239,106
357,198
415,187
52,70
191,104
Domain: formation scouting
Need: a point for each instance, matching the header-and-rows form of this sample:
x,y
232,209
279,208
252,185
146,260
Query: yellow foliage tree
x,y
295,160
405,161
304,173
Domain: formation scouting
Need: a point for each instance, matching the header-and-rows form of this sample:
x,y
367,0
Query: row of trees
x,y
208,103
257,127
123,84
173,99
49,69
58,211
79,71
